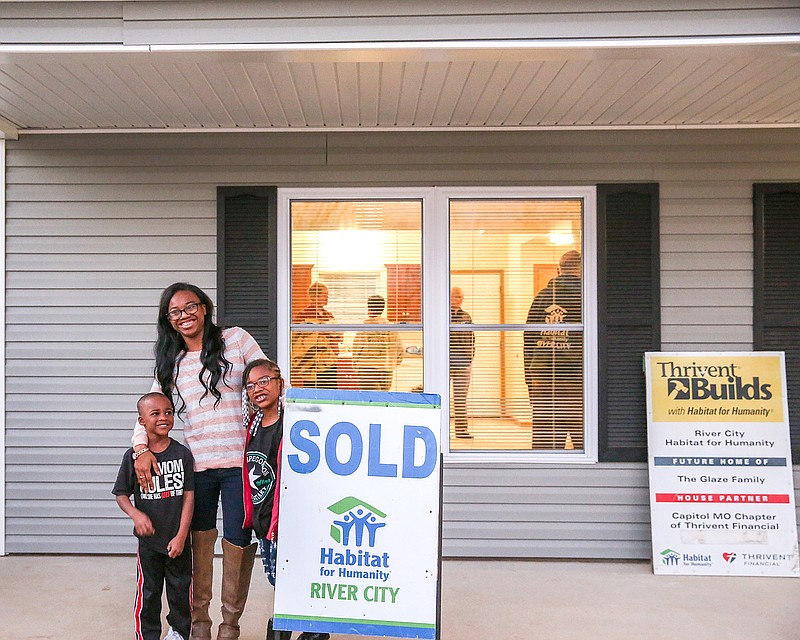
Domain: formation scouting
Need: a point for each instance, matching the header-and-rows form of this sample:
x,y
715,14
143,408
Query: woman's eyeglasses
x,y
261,383
190,309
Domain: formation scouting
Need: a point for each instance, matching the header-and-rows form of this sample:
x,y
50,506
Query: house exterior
x,y
219,142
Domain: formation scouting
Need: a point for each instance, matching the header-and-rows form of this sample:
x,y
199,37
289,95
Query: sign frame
x,y
719,463
361,476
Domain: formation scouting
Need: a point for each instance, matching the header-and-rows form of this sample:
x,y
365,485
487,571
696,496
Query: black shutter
x,y
247,262
629,308
776,285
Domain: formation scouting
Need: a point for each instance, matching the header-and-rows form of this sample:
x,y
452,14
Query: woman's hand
x,y
146,467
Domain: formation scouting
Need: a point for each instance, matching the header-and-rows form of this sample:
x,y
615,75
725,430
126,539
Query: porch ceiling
x,y
500,85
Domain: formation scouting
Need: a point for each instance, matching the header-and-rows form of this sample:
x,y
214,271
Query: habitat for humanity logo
x,y
356,518
670,558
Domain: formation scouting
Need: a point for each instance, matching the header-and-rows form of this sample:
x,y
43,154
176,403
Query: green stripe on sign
x,y
387,623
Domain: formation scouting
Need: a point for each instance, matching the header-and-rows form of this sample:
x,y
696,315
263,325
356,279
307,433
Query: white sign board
x,y
358,532
721,490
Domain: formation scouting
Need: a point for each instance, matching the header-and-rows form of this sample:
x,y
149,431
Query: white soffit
x,y
649,84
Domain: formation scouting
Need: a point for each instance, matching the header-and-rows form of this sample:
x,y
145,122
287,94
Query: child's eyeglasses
x,y
261,383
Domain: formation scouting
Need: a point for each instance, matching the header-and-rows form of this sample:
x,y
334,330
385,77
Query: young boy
x,y
161,520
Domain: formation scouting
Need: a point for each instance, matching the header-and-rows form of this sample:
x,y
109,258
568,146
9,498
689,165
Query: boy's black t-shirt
x,y
163,505
262,465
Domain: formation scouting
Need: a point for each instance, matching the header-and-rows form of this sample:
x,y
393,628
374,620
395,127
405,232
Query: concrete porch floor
x,y
77,597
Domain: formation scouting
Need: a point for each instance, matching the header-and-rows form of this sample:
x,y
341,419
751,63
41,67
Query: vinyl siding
x,y
309,21
302,21
61,22
97,225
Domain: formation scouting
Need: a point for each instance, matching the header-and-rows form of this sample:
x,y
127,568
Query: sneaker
x,y
173,635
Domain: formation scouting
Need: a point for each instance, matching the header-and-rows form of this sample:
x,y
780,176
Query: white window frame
x,y
589,252
436,288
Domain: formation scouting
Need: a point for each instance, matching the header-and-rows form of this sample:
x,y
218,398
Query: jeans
x,y
209,485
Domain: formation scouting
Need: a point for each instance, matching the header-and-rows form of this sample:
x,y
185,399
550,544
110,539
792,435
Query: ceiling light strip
x,y
251,130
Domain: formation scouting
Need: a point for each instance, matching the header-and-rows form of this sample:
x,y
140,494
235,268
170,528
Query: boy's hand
x,y
175,546
142,524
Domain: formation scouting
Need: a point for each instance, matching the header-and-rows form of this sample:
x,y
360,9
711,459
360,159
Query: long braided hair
x,y
170,349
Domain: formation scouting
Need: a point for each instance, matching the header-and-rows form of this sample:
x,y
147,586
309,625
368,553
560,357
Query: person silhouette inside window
x,y
462,351
553,360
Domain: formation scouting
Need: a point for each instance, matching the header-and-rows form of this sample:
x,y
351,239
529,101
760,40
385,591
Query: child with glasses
x,y
263,386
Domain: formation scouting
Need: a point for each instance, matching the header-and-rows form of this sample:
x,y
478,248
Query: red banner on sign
x,y
727,498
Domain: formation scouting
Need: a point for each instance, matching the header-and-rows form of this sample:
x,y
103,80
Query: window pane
x,y
555,372
499,410
369,360
516,262
356,263
384,360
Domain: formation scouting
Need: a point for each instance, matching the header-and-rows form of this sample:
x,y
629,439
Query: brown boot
x,y
237,566
202,579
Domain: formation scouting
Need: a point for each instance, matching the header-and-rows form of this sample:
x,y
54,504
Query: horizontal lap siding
x,y
707,261
90,246
98,225
366,20
547,511
95,230
131,22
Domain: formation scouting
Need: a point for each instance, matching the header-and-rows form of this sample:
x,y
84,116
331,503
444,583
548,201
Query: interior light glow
x,y
351,250
562,234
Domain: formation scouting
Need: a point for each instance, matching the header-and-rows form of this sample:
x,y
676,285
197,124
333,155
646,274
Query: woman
x,y
200,366
261,470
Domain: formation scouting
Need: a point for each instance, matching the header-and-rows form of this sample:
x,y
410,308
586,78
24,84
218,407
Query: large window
x,y
516,324
483,296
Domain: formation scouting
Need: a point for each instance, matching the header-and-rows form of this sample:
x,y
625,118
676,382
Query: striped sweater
x,y
214,435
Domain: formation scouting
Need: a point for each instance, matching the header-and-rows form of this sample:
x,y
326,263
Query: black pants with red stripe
x,y
154,570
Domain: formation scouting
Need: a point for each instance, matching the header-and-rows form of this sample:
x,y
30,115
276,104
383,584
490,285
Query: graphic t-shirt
x,y
261,458
164,503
